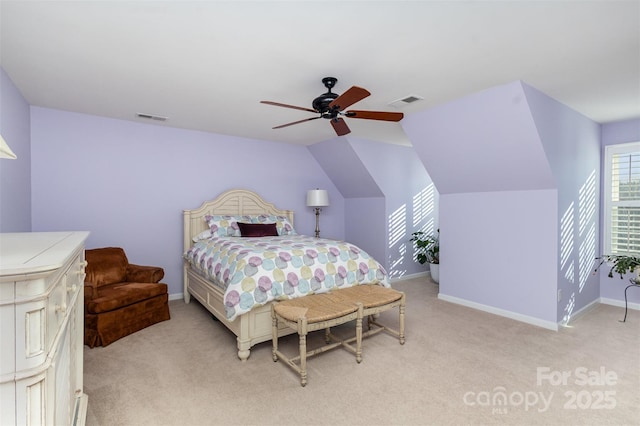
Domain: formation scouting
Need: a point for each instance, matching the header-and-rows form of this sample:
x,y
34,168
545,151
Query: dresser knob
x,y
72,288
61,308
82,265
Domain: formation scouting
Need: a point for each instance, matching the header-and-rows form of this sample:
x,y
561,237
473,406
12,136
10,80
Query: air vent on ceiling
x,y
402,102
152,117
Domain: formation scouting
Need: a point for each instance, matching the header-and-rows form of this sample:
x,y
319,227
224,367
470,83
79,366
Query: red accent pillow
x,y
258,229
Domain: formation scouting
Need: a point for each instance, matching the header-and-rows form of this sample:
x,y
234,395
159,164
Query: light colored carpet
x,y
456,364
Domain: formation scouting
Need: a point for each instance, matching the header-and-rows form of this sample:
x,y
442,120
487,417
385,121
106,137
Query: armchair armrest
x,y
144,274
90,291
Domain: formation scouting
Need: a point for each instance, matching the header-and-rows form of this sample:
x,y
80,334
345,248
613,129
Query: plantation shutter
x,y
625,203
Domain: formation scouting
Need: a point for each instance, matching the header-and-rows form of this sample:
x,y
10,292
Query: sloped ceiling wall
x,y
484,142
345,169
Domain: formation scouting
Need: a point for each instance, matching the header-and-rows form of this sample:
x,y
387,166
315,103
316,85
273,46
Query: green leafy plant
x,y
427,247
620,264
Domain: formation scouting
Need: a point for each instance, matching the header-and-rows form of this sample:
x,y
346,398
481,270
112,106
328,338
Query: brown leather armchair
x,y
120,298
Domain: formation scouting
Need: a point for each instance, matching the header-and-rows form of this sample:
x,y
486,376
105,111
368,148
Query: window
x,y
622,199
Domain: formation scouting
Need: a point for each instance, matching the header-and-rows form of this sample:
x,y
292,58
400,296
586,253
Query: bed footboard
x,y
250,329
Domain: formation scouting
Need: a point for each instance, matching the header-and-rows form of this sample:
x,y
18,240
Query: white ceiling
x,y
207,64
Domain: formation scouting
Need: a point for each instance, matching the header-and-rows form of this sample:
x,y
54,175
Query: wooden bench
x,y
311,313
376,299
323,311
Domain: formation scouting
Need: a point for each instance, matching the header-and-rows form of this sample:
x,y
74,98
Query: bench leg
x,y
359,334
274,334
402,305
371,320
302,331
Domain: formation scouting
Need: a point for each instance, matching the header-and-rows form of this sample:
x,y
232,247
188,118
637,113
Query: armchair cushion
x,y
115,296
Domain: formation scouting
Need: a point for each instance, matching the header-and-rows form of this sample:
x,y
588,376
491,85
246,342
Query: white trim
x,y
579,313
501,312
609,152
620,303
176,296
410,276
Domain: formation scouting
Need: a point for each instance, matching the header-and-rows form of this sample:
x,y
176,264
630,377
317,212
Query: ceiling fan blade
x,y
287,106
296,122
375,115
349,98
340,126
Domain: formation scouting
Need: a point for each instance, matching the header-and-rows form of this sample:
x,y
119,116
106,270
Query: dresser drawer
x,y
57,310
75,278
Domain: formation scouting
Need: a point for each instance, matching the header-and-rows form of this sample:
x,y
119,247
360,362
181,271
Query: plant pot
x,y
434,269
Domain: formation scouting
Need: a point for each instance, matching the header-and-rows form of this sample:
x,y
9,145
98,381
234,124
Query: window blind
x,y
625,203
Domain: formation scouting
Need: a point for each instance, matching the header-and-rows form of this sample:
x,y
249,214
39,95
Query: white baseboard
x,y
620,303
410,276
176,296
501,312
577,314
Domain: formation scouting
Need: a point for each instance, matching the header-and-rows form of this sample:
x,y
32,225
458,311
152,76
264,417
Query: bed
x,y
252,324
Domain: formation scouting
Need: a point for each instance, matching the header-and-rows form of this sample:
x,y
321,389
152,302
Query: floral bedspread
x,y
258,270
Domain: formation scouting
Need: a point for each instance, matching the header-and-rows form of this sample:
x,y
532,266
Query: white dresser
x,y
42,328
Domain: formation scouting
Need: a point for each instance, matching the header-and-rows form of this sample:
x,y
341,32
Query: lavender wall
x,y
127,183
15,175
498,252
572,145
621,132
612,289
365,226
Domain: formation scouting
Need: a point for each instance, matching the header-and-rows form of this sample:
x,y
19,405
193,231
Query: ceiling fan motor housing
x,y
321,103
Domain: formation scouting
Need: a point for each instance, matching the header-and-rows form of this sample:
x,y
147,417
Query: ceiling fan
x,y
331,106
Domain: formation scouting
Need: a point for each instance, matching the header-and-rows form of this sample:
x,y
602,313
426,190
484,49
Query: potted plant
x,y
428,251
620,264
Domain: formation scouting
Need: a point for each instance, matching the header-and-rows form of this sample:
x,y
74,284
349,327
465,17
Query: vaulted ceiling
x,y
206,65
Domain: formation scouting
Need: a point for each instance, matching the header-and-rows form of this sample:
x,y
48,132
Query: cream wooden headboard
x,y
232,202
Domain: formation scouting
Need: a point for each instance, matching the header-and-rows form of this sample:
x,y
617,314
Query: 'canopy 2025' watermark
x,y
589,390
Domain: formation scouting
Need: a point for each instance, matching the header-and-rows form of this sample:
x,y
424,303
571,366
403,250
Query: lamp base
x,y
317,221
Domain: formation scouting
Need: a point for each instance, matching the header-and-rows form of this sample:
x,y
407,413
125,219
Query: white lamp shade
x,y
317,198
5,151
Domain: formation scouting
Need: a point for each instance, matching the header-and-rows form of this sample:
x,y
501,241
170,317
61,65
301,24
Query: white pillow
x,y
204,235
